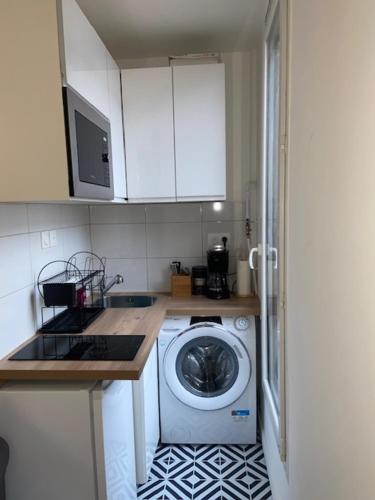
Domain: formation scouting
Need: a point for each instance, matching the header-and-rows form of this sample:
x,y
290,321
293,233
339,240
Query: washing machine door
x,y
207,367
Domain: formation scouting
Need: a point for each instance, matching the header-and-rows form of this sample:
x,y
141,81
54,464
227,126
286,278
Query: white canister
x,y
243,278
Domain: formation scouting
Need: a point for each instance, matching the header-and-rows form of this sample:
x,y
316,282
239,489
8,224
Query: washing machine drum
x,y
207,367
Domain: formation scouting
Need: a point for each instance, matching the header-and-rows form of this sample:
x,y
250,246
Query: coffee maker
x,y
218,262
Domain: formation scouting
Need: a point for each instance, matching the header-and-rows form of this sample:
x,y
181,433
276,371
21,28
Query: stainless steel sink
x,y
111,301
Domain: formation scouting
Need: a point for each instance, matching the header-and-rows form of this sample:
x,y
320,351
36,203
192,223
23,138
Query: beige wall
x,y
331,248
242,82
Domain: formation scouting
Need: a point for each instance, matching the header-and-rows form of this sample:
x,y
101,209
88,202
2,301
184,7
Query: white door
x,y
117,130
146,416
207,367
149,138
199,113
85,57
273,224
114,440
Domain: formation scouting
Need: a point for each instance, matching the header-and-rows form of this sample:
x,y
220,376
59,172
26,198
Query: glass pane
x,y
272,207
207,367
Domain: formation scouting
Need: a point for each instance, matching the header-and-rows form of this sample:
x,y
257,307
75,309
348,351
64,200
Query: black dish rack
x,y
72,296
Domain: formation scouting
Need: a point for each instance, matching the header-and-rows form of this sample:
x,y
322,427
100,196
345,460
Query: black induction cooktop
x,y
83,347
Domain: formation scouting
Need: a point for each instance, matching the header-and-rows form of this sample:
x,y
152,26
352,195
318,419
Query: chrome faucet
x,y
117,280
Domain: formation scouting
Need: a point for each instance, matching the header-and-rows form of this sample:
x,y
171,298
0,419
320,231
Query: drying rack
x,y
72,296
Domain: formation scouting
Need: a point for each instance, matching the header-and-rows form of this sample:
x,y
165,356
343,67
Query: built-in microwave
x,y
88,134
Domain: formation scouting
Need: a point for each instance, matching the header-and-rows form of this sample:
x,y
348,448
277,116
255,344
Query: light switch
x,y
53,238
45,239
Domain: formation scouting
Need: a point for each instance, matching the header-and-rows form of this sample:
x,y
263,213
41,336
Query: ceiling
x,y
152,28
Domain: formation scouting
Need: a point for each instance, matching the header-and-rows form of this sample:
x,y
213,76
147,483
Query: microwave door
x,y
92,150
89,149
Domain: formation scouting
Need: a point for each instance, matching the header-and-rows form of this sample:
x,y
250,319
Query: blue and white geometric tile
x,y
208,472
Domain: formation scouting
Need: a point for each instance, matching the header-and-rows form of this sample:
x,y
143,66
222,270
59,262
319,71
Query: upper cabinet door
x,y
85,57
199,113
117,132
149,140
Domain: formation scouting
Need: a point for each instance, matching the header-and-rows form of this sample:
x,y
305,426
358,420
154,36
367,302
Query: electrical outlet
x,y
217,239
45,239
53,238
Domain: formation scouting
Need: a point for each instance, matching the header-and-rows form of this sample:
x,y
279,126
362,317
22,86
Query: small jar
x,y
199,280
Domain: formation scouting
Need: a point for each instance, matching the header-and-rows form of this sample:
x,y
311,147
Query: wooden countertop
x,y
130,321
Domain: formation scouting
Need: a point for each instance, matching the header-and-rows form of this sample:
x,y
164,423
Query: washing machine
x,y
207,380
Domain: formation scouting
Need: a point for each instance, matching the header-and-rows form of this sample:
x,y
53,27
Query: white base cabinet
x,y
69,440
146,417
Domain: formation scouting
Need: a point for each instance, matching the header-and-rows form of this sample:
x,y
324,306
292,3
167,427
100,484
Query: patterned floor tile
x,y
232,453
256,472
152,490
182,452
261,490
178,490
234,490
207,490
207,454
207,472
254,452
159,470
180,470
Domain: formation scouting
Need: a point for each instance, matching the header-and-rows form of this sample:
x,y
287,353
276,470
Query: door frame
x,y
278,418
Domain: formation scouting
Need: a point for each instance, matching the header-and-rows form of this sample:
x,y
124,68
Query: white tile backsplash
x,y
223,211
42,256
22,257
134,272
13,219
116,241
15,263
45,216
174,212
75,215
117,214
169,239
75,239
16,319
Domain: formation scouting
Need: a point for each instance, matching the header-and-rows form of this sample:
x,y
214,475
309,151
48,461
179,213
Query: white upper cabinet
x,y
149,137
117,132
200,138
84,56
175,138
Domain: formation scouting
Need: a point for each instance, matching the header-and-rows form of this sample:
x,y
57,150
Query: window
x,y
272,207
273,304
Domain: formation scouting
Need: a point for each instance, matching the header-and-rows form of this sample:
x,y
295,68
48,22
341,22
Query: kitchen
x,y
170,198
151,347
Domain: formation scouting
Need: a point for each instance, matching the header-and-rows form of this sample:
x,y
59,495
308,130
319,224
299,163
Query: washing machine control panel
x,y
241,323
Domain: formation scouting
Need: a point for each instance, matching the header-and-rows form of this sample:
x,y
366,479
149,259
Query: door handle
x,y
273,251
251,257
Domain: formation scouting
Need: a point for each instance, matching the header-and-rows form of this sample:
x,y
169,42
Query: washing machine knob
x,y
241,323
